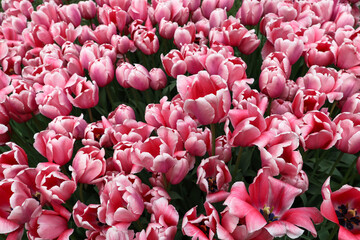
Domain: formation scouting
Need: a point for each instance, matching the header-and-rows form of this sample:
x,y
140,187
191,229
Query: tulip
x,y
211,104
102,71
55,147
88,164
341,207
264,212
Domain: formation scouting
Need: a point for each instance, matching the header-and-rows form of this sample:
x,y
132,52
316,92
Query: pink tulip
x,y
249,42
70,14
272,81
349,85
53,102
122,43
202,227
341,207
349,126
19,207
102,71
120,114
68,126
184,35
217,17
115,15
21,104
154,154
158,79
214,178
299,181
120,201
167,28
248,126
94,135
173,63
352,104
348,55
322,54
122,158
250,12
87,9
292,47
103,33
278,59
280,155
50,224
54,186
130,130
209,105
86,92
196,140
15,157
318,131
86,216
146,41
266,211
88,165
323,79
185,162
165,113
137,76
138,10
55,147
307,100
89,53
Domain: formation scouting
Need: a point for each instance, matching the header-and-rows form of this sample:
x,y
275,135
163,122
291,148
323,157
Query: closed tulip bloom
x,y
174,63
349,125
272,81
87,9
250,12
88,164
158,79
70,13
184,35
55,147
102,71
138,10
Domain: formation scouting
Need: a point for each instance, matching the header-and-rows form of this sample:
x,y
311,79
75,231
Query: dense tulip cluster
x,y
212,119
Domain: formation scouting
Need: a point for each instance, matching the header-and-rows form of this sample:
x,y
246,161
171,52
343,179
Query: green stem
x,y
213,138
81,188
332,108
269,107
347,174
335,163
109,96
333,232
90,115
237,163
317,163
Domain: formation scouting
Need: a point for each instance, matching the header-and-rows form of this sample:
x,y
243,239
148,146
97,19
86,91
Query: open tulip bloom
x,y
178,119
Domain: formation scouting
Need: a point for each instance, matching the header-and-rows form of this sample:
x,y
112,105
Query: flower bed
x,y
172,119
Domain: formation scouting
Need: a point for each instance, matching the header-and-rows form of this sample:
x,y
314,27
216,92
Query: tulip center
x,y
347,217
205,229
268,214
212,184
